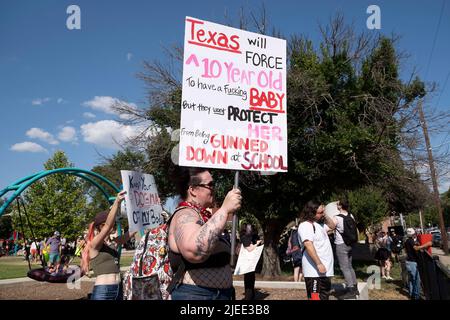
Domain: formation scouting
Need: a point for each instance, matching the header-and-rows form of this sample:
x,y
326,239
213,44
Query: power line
x,y
443,89
435,38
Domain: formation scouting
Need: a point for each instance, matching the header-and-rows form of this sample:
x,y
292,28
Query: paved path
x,y
444,259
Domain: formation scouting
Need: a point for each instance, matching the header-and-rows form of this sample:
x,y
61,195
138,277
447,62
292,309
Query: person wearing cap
x,y
412,246
55,250
101,258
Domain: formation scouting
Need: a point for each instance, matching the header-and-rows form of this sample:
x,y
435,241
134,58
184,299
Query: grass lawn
x,y
16,267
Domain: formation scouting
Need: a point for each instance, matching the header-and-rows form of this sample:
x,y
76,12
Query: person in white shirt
x,y
317,262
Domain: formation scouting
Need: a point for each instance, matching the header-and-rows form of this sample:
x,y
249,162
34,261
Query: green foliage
x,y
127,159
6,227
446,207
54,203
368,205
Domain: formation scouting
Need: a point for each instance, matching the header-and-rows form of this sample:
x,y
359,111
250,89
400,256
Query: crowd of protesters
x,y
197,242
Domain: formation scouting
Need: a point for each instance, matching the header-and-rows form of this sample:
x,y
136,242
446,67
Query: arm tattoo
x,y
182,221
208,236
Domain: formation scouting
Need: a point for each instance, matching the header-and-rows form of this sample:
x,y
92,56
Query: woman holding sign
x,y
198,254
100,257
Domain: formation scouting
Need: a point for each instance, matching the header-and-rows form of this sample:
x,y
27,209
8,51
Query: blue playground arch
x,y
20,185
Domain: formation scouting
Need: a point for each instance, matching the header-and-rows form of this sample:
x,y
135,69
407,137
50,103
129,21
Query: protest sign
x,y
233,106
247,260
143,205
331,209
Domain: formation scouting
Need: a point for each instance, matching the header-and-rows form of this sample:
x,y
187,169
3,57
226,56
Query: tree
x,y
446,207
6,227
368,205
55,203
127,159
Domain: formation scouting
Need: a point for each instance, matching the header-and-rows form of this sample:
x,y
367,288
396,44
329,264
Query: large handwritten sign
x,y
143,205
233,109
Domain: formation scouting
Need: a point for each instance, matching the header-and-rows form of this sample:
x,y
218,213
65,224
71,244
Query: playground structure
x,y
21,185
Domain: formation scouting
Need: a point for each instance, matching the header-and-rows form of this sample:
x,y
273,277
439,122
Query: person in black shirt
x,y
412,246
396,245
249,239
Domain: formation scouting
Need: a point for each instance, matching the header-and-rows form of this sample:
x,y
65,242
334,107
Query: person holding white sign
x,y
197,252
250,240
100,257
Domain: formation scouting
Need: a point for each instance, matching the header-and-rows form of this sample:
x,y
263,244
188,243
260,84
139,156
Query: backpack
x,y
292,244
294,241
350,234
150,276
296,249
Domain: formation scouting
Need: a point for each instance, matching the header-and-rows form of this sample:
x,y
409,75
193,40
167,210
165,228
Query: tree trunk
x,y
271,261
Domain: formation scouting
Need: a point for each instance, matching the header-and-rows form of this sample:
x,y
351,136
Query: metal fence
x,y
435,277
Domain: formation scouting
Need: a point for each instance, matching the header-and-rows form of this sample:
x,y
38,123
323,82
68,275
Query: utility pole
x,y
402,221
421,221
423,124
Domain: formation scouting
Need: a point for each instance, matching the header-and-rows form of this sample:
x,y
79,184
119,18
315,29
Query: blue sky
x,y
56,85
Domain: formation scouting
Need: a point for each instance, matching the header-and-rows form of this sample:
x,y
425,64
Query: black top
x,y
216,260
248,239
411,254
177,261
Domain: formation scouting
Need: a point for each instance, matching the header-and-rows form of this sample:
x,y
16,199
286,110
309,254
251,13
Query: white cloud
x,y
129,56
89,115
105,104
28,147
102,103
39,101
42,135
106,133
68,134
60,100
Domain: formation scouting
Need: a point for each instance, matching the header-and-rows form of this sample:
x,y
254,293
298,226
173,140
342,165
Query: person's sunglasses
x,y
209,185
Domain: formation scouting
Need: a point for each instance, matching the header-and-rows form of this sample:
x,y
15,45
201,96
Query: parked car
x,y
436,239
448,241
